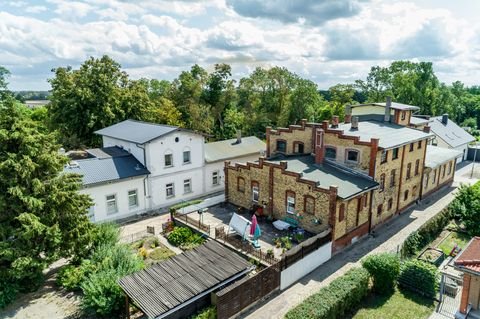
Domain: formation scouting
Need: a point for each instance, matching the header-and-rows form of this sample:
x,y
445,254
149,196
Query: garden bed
x,y
152,250
433,256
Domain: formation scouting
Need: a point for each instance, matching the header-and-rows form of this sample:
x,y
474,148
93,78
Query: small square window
x,y
281,146
132,198
352,156
170,190
187,186
411,147
330,152
112,204
419,146
168,160
186,157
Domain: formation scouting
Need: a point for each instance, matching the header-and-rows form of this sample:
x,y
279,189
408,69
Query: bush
x,y
179,235
466,207
334,301
70,276
207,313
419,276
8,292
384,269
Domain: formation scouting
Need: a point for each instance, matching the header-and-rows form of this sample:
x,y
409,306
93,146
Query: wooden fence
x,y
303,249
244,246
193,222
246,291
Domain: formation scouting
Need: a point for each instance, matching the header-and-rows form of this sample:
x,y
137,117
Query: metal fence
x,y
188,220
131,238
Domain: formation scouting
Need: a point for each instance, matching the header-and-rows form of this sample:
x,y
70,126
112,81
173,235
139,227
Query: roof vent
x,y
73,164
354,125
445,119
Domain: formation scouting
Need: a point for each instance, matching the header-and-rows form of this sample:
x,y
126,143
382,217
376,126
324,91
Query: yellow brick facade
x,y
402,117
349,221
342,145
293,135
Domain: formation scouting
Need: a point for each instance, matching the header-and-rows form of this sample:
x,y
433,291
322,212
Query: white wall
x,y
370,109
304,266
128,146
461,148
99,193
157,149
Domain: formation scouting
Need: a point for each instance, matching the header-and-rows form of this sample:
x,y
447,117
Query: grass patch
x,y
401,304
448,243
160,253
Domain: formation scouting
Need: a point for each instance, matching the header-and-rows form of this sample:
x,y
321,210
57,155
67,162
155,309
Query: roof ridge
x,y
149,123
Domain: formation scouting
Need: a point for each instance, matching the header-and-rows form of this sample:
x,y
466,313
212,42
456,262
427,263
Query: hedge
x,y
334,301
419,276
384,269
425,234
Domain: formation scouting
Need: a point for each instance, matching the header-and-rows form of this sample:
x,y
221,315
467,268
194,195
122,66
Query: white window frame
x,y
189,157
255,193
107,201
172,187
165,159
188,182
290,205
215,176
135,194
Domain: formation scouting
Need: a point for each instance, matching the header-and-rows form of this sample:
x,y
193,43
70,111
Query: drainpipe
x,y
146,190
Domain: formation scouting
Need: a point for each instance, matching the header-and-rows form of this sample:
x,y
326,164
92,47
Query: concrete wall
x,y
99,193
305,266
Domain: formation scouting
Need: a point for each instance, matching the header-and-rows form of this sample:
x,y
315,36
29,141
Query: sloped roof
x,y
469,258
224,150
451,133
419,120
170,283
390,135
326,175
394,105
136,131
107,168
437,156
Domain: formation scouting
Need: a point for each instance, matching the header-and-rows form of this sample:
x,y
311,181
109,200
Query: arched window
x,y
405,195
330,152
379,209
382,183
390,204
281,146
241,184
414,191
409,170
417,167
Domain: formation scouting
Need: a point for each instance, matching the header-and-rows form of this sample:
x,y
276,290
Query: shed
x,y
177,287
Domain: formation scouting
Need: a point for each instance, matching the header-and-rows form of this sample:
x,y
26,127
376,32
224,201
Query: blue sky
x,y
329,42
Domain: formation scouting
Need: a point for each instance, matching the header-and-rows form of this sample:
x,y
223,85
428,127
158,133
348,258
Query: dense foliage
x,y
384,269
419,276
466,208
334,301
184,238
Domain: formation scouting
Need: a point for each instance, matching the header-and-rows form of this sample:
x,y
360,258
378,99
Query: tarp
x,y
239,224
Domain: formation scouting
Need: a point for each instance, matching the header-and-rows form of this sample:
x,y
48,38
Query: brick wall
x,y
291,135
430,184
408,184
342,145
352,218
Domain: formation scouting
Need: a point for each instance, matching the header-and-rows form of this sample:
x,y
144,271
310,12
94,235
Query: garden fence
x,y
188,220
131,238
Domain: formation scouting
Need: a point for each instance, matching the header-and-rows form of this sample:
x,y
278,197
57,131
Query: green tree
x,y
384,268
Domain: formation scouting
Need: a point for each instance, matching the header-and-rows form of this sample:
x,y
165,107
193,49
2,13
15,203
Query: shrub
x,y
70,276
207,313
179,235
8,292
384,269
334,301
466,207
419,276
142,252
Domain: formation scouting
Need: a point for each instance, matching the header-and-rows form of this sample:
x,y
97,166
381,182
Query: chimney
x,y
239,137
319,150
335,121
354,125
445,119
303,122
267,138
426,129
348,114
388,105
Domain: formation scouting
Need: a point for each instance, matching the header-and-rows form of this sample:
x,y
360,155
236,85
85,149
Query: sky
x,y
326,41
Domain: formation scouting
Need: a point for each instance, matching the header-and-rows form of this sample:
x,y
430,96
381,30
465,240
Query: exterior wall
x,y
474,291
462,148
370,109
429,185
465,292
294,133
353,217
133,148
342,145
398,118
414,180
157,149
350,237
98,193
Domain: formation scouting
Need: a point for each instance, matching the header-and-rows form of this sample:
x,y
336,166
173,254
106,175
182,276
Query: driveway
x,y
388,238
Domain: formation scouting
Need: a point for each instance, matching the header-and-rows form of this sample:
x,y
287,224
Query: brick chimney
x,y
335,121
267,137
388,106
445,119
319,149
348,114
426,129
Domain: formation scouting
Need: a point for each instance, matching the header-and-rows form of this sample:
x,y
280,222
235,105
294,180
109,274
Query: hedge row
x,y
425,234
419,276
341,296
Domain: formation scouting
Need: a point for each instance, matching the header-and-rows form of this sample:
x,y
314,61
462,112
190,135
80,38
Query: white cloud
x,y
35,9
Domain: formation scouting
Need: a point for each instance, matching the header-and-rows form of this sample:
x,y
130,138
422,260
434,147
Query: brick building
x,y
345,177
468,262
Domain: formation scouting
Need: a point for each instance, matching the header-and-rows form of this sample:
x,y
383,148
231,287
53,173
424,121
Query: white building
x,y
144,166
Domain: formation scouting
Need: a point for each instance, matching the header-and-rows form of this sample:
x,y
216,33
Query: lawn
x,y
448,243
401,305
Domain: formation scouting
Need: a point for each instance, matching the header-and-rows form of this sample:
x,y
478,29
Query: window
x,y
241,184
379,209
434,176
186,157
365,198
449,168
341,215
170,190
187,186
390,204
409,169
392,177
419,146
112,204
383,158
290,202
405,195
168,160
255,192
382,183
132,198
215,178
281,146
444,169
330,152
414,191
394,153
359,204
298,147
427,177
411,147
309,205
404,115
352,156
417,167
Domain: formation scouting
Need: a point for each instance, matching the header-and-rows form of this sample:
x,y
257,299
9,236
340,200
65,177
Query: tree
x,y
384,268
43,215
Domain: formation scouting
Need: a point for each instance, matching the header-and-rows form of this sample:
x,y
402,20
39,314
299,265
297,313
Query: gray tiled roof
x,y
390,135
136,131
451,133
327,175
394,105
437,156
419,120
107,169
224,150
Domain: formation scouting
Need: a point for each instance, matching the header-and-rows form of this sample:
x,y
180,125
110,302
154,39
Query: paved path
x,y
387,239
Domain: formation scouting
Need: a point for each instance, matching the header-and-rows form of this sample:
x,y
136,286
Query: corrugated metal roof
x,y
327,175
224,150
437,156
390,135
451,133
136,131
107,169
169,283
394,105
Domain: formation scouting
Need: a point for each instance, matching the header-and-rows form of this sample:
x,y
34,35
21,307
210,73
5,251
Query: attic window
x,y
177,139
